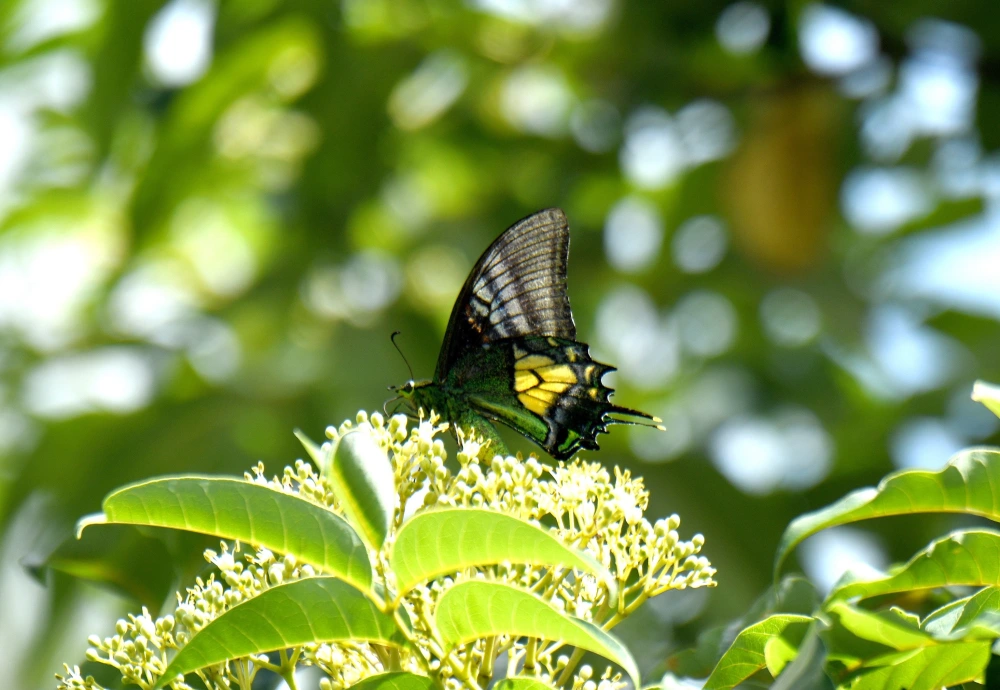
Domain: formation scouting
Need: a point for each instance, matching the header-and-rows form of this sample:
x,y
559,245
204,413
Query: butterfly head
x,y
416,396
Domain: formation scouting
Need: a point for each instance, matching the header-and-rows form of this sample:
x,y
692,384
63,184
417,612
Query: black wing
x,y
516,289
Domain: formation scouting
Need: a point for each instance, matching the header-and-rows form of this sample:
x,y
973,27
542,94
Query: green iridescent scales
x,y
510,353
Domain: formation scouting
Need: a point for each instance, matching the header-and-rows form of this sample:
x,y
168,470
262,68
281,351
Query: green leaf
x,y
941,621
251,513
778,651
973,618
926,668
476,609
807,670
988,394
316,609
746,656
365,485
961,558
523,684
698,661
793,594
398,680
314,450
476,537
967,484
118,556
880,627
982,611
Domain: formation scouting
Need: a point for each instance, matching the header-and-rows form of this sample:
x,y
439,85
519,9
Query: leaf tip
x,y
314,450
88,520
988,394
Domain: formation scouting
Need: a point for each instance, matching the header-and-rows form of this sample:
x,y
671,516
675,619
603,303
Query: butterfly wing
x,y
551,392
516,289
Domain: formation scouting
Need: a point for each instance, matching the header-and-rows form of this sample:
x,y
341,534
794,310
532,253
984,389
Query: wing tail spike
x,y
653,423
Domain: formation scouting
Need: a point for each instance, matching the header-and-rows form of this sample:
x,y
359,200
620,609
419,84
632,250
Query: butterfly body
x,y
510,353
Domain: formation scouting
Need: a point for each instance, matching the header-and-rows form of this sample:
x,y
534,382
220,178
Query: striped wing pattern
x,y
516,289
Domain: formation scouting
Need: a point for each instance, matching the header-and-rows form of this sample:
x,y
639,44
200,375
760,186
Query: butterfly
x,y
510,353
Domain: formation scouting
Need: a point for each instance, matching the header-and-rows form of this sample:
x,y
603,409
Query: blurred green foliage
x,y
212,215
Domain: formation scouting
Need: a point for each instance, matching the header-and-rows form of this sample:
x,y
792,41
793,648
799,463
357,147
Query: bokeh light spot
x,y
828,555
178,42
790,317
653,154
113,379
642,343
923,443
699,244
427,93
537,100
833,41
879,200
789,449
596,125
707,322
743,27
707,131
633,233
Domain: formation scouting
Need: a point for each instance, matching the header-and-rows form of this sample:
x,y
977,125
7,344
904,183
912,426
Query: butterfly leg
x,y
469,420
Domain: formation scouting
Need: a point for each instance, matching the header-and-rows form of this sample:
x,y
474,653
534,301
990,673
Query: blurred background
x,y
785,233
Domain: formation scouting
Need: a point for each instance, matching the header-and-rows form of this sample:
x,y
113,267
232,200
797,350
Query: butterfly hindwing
x,y
555,394
516,289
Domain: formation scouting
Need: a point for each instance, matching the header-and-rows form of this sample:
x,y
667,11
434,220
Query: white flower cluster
x,y
589,508
139,648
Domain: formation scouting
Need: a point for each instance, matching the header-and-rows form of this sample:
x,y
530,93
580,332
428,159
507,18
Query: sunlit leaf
x,y
746,655
475,609
252,513
941,621
398,680
988,394
927,668
880,627
967,484
962,558
364,484
981,610
444,541
523,684
806,671
778,651
313,449
318,609
792,595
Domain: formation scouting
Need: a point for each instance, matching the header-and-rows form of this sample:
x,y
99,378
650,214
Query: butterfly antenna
x,y
396,345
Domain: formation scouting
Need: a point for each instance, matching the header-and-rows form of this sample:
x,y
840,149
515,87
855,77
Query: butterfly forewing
x,y
516,289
